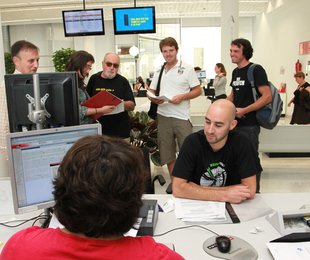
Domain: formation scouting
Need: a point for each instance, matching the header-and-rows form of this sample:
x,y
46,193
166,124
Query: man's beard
x,y
110,75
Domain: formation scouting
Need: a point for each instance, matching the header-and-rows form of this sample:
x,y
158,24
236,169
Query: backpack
x,y
269,115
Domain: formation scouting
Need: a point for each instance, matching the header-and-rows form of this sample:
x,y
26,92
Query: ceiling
x,y
35,11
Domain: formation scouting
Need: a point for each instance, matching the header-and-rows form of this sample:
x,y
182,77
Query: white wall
x,y
276,39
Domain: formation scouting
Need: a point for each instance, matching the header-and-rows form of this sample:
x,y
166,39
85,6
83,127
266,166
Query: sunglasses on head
x,y
109,64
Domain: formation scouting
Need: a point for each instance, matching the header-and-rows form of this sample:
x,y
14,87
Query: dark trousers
x,y
252,132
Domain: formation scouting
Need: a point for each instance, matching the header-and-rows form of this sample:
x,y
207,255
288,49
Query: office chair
x,y
150,182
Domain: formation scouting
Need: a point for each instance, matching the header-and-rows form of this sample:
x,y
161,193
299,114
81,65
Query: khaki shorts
x,y
171,132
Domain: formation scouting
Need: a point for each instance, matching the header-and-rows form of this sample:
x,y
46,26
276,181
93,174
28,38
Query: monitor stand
x,y
48,213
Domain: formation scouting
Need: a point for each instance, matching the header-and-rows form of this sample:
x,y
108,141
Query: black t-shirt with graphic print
x,y
242,90
198,163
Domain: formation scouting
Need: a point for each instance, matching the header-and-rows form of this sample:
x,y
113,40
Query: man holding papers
x,y
116,123
217,163
179,84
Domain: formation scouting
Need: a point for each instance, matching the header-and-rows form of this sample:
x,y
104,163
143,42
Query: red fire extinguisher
x,y
298,66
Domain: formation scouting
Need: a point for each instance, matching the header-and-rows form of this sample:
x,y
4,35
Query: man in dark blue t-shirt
x,y
217,163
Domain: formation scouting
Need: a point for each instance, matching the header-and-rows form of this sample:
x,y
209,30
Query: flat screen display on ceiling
x,y
134,20
83,22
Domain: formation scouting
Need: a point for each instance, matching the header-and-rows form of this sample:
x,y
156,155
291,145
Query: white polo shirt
x,y
178,80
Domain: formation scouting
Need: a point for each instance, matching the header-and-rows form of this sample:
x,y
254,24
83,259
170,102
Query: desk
x,y
188,242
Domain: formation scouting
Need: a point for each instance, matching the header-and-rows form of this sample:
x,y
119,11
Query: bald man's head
x,y
219,120
224,108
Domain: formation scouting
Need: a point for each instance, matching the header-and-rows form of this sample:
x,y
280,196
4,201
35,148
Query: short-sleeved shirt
x,y
178,80
118,124
198,163
48,243
242,90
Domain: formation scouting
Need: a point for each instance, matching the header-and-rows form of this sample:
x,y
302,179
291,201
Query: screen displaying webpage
x,y
36,159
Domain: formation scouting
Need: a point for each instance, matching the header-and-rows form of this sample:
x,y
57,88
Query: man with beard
x,y
109,80
217,163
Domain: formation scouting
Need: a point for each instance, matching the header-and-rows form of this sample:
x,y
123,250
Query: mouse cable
x,y
22,221
174,229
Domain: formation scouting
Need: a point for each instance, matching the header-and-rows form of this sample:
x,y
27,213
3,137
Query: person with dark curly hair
x,y
241,51
97,194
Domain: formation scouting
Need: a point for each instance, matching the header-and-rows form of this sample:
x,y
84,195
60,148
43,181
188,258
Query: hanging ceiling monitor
x,y
83,22
134,20
34,158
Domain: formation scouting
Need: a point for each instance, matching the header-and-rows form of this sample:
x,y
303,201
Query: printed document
x,y
199,210
150,94
289,251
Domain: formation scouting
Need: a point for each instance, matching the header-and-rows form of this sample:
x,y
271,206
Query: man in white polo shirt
x,y
179,83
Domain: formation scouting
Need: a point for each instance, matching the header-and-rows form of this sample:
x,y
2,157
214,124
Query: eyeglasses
x,y
109,64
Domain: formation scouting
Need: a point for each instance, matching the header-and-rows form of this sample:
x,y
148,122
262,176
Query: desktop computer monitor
x,y
59,99
34,158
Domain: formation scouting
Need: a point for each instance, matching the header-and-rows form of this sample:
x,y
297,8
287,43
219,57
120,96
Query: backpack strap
x,y
250,76
159,79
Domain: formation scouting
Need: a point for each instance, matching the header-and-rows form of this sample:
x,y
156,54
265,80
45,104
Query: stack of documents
x,y
199,210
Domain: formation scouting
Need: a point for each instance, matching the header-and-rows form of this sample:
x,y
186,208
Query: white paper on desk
x,y
199,210
251,209
150,94
118,109
289,251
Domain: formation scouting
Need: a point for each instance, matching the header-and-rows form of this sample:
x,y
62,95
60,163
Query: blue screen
x,y
134,20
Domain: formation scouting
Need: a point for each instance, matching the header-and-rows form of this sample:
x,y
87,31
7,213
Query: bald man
x,y
217,163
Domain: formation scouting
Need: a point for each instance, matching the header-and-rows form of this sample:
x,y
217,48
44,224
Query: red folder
x,y
102,98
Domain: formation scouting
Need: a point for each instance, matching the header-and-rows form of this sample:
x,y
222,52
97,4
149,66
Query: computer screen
x,y
59,99
133,20
83,22
34,158
201,74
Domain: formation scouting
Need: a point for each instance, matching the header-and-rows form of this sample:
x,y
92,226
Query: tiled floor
x,y
280,175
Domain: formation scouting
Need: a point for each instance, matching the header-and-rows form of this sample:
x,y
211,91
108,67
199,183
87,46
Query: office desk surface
x,y
188,242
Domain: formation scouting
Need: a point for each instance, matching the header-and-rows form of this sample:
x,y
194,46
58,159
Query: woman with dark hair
x,y
81,62
220,81
97,194
301,100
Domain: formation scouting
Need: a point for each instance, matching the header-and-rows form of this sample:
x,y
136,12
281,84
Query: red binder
x,y
102,98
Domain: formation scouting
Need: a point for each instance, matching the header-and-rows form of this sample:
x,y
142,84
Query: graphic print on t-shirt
x,y
214,176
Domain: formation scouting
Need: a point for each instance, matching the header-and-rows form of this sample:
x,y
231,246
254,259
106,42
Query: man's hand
x,y
240,112
237,193
177,99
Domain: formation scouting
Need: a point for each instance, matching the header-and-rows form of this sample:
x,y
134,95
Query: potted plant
x,y
61,57
143,134
9,65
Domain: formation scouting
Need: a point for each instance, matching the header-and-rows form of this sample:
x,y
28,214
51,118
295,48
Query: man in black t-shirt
x,y
241,52
109,80
217,163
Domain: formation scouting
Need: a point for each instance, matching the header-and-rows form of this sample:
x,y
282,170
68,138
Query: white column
x,y
229,31
3,157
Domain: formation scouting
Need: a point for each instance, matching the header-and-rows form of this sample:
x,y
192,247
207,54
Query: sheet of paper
x,y
150,94
199,210
289,251
118,109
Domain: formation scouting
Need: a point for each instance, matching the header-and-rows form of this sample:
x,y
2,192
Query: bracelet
x,y
96,110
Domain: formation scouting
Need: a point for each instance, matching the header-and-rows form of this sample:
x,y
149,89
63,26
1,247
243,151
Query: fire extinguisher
x,y
298,66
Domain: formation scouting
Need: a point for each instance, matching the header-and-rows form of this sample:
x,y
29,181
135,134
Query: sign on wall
x,y
304,48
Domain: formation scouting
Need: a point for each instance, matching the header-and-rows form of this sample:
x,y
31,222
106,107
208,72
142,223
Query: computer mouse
x,y
223,244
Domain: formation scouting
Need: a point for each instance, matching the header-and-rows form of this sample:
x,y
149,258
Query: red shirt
x,y
38,243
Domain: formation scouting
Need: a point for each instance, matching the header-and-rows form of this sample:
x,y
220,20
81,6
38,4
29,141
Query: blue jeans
x,y
252,132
